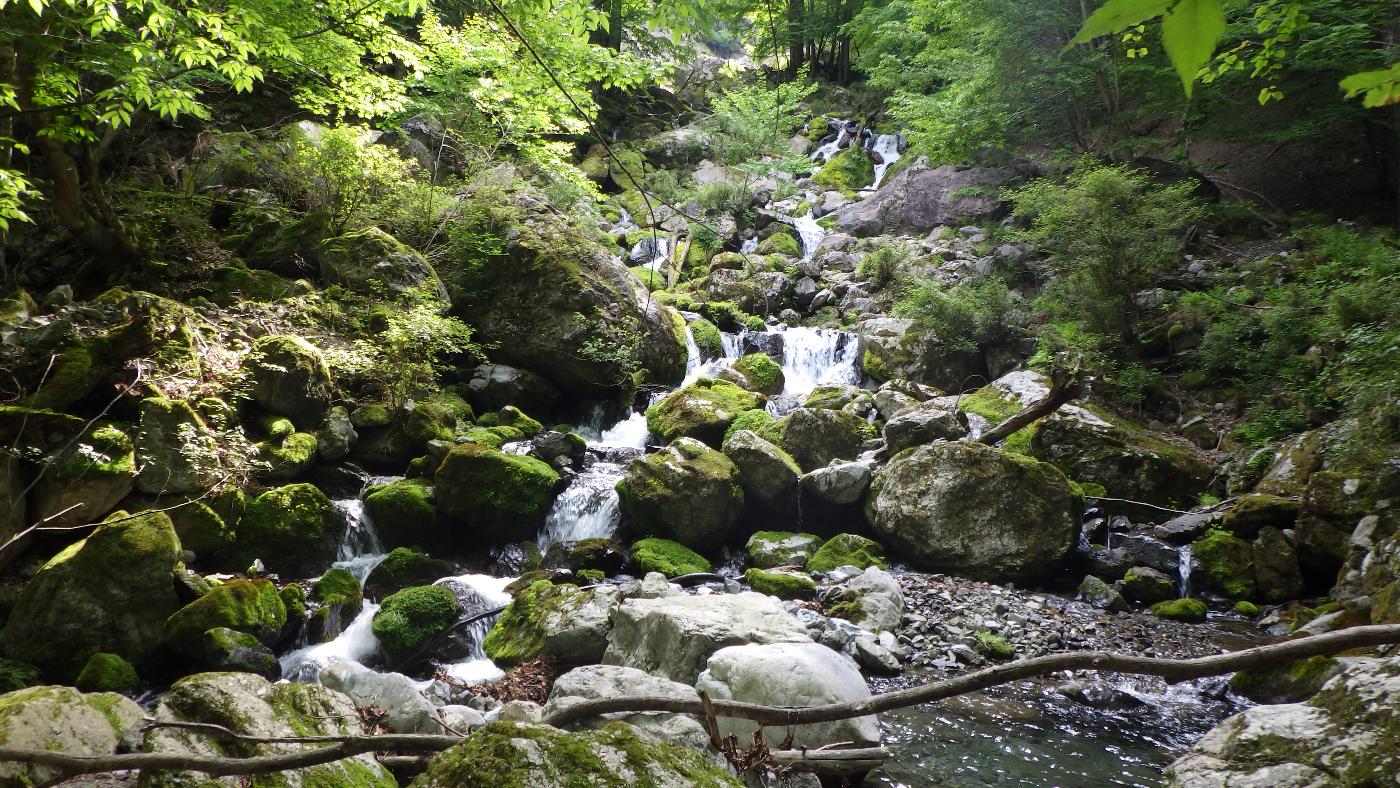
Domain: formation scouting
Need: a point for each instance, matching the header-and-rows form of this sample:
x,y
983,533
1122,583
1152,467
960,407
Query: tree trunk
x,y
796,18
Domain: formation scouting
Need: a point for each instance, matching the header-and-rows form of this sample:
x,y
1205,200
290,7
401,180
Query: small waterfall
x,y
1184,571
845,133
587,509
731,349
477,667
692,353
749,246
661,255
360,549
810,232
356,644
818,356
887,146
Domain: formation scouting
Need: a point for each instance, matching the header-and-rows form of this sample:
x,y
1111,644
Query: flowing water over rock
x,y
809,232
587,509
887,148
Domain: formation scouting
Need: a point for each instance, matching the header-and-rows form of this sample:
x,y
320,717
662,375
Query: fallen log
x,y
1173,670
1064,387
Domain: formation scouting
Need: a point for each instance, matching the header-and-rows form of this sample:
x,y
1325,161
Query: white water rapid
x,y
587,509
810,233
887,146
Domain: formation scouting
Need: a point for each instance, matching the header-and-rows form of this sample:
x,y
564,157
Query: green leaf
x,y
1381,87
1116,15
1190,31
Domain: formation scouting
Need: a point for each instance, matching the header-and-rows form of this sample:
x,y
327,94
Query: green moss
x,y
404,513
725,314
292,529
1227,561
875,366
707,337
783,242
989,403
652,279
848,172
404,567
428,422
519,633
486,436
992,646
847,550
756,420
1246,608
703,410
337,587
410,618
782,585
368,416
511,416
290,457
851,610
15,675
1180,610
293,597
276,427
252,606
74,374
671,559
763,373
107,673
504,492
591,575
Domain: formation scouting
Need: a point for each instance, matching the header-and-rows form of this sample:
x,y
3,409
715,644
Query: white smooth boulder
x,y
591,682
789,674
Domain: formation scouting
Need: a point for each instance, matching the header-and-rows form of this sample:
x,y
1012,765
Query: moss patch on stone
x,y
506,495
671,559
847,172
763,373
410,618
252,606
847,550
703,410
707,337
292,529
1227,562
1180,610
404,567
992,646
783,585
107,673
757,420
404,512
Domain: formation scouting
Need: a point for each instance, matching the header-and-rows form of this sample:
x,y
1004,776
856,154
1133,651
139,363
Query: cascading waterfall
x,y
809,232
887,148
731,349
816,356
356,643
587,509
1184,571
477,667
749,246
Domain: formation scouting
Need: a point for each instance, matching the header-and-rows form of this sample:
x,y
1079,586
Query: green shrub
x,y
963,317
878,266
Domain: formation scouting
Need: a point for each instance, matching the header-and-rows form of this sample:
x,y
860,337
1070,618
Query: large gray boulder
x,y
768,474
1343,735
816,436
372,262
793,675
894,349
252,706
290,378
880,598
973,510
175,451
838,484
564,622
406,709
62,719
674,636
918,199
591,682
494,386
922,423
686,492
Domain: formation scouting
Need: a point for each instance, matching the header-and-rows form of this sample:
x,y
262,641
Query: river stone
x,y
686,492
768,549
880,598
839,484
337,435
793,675
591,682
1147,586
494,386
559,621
504,497
816,436
175,451
290,378
768,474
703,410
372,262
537,756
85,482
229,649
62,719
406,709
1147,551
918,199
1101,595
970,509
253,706
1345,734
110,592
924,422
674,636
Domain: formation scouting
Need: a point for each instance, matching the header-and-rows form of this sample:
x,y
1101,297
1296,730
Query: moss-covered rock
x,y
175,450
208,526
404,567
762,373
338,601
372,262
290,378
1289,683
687,492
512,755
671,559
783,243
847,172
251,606
229,649
410,618
15,675
107,673
768,549
110,592
1226,564
293,529
405,514
847,550
703,410
428,422
288,458
62,719
75,373
1181,610
504,496
992,646
1101,595
758,421
707,338
84,483
562,622
485,436
1147,586
783,585
1257,510
815,437
511,416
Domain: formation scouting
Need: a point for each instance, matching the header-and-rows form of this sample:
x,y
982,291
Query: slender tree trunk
x,y
796,17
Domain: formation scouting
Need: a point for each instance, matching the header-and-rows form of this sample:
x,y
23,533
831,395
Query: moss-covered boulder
x,y
504,497
847,172
207,526
708,339
973,510
1288,683
405,514
107,673
84,483
782,243
1180,610
293,529
251,606
847,550
505,753
110,592
372,262
1224,565
703,410
770,476
410,618
556,301
1257,510
289,457
511,416
1147,586
404,567
563,622
816,436
671,559
1101,595
175,450
229,649
687,492
338,600
290,378
251,705
62,719
75,373
760,373
783,585
768,549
